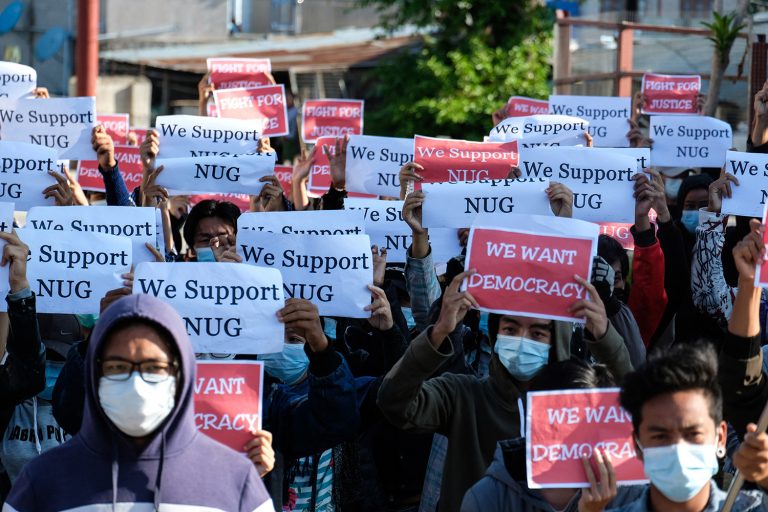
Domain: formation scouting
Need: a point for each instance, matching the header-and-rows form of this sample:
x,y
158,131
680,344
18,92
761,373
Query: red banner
x,y
211,109
140,133
526,273
228,398
256,103
232,73
242,201
520,106
129,163
563,426
284,175
670,94
449,160
116,126
331,118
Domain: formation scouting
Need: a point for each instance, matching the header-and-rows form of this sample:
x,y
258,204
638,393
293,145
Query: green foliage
x,y
724,32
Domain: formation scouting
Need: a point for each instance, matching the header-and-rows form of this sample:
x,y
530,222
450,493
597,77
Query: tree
x,y
477,54
725,29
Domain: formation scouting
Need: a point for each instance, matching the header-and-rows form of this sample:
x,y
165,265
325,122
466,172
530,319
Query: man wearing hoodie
x,y
138,446
476,413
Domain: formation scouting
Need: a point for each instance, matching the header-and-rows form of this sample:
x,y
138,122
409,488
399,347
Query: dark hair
x,y
572,374
611,251
682,367
224,210
692,182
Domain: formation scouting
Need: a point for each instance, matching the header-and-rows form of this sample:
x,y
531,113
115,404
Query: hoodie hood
x,y
178,429
560,348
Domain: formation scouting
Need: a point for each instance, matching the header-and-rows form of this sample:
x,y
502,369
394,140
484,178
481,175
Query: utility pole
x,y
87,47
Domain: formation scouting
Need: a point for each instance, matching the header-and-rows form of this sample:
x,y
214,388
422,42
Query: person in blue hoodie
x,y
138,447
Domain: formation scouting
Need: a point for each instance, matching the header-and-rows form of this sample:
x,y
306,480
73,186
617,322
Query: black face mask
x,y
621,294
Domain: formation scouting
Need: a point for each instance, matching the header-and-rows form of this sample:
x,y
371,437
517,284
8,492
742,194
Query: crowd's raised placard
x,y
331,118
320,171
670,94
6,225
62,124
520,106
331,271
601,179
284,174
24,174
237,174
242,201
236,73
541,130
136,224
564,426
748,198
642,155
129,164
761,273
227,308
457,205
320,222
211,109
17,81
266,104
71,273
195,136
527,267
689,141
449,160
228,400
117,126
373,164
608,117
140,133
385,225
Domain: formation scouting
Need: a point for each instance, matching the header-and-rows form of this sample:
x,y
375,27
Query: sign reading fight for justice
x,y
527,267
227,308
449,160
266,104
608,117
236,73
331,118
196,136
373,164
670,94
689,141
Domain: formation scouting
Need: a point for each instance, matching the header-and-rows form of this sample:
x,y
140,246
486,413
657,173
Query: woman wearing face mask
x,y
138,447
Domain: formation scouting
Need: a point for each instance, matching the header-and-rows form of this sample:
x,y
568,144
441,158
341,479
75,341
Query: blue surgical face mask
x,y
523,358
484,322
690,220
329,327
87,321
408,314
288,366
680,471
52,371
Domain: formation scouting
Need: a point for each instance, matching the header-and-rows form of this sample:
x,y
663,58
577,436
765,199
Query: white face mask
x,y
137,407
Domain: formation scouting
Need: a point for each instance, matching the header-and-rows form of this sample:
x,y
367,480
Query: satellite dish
x,y
50,43
10,16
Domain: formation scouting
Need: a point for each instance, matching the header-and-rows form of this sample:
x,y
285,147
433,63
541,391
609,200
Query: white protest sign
x,y
331,271
196,136
600,179
17,80
748,197
320,222
136,224
71,272
608,117
385,225
457,205
642,155
24,174
689,141
236,174
63,124
373,164
6,225
227,308
541,130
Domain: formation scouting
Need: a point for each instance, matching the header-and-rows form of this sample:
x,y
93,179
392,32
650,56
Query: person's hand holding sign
x,y
381,312
104,147
455,306
719,189
338,162
409,174
412,208
260,451
149,149
15,253
748,253
560,199
592,309
301,316
599,493
204,91
751,459
61,192
271,195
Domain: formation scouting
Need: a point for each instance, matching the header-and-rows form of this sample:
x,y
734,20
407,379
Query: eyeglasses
x,y
151,370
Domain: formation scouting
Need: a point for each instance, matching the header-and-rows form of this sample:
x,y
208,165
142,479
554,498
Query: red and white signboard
x,y
116,126
284,175
331,118
670,94
761,276
527,268
320,172
228,400
242,201
562,426
266,103
211,109
129,164
231,73
449,160
141,134
520,106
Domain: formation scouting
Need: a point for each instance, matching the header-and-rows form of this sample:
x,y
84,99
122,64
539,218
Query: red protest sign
x,y
670,94
129,163
284,174
448,160
331,118
561,426
242,201
620,232
211,109
266,103
520,106
232,73
530,272
228,397
116,126
761,275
